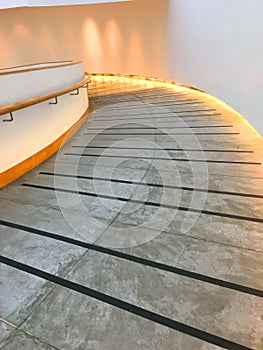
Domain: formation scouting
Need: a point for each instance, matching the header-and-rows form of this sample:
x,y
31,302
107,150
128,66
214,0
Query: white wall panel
x,y
37,126
20,86
217,46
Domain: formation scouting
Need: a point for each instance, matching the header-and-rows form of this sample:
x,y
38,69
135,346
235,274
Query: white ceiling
x,y
22,3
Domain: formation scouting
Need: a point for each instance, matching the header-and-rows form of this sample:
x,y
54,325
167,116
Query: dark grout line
x,y
197,110
152,116
183,188
123,98
148,203
169,149
136,259
163,127
180,103
162,133
109,99
161,158
158,104
137,95
148,106
168,123
143,91
171,99
112,101
131,308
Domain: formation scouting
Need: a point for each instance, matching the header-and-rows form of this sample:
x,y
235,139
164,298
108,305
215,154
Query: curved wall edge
x,y
36,126
19,85
34,160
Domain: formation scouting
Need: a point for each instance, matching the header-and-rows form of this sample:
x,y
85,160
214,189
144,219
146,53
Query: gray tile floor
x,y
145,231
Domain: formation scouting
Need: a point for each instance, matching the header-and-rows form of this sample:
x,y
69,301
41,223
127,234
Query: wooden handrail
x,y
48,96
34,64
16,71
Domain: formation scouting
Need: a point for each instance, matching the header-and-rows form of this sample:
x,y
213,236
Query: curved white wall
x,y
36,127
217,46
18,86
29,66
214,45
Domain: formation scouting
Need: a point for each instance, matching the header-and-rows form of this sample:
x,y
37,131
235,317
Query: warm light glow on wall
x,y
6,50
113,40
93,46
21,32
49,42
113,36
135,56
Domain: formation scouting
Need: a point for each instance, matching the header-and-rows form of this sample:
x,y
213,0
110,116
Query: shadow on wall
x,y
126,37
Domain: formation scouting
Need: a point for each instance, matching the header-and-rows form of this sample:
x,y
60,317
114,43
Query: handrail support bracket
x,y
11,118
75,93
56,101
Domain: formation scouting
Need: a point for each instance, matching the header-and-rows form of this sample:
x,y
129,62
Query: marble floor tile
x,y
112,187
191,302
22,341
5,332
20,294
98,326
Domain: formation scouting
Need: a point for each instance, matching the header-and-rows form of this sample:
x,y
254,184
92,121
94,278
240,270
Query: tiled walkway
x,y
144,232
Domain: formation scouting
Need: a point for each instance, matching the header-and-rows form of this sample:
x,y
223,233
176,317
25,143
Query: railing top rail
x,y
36,66
48,96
